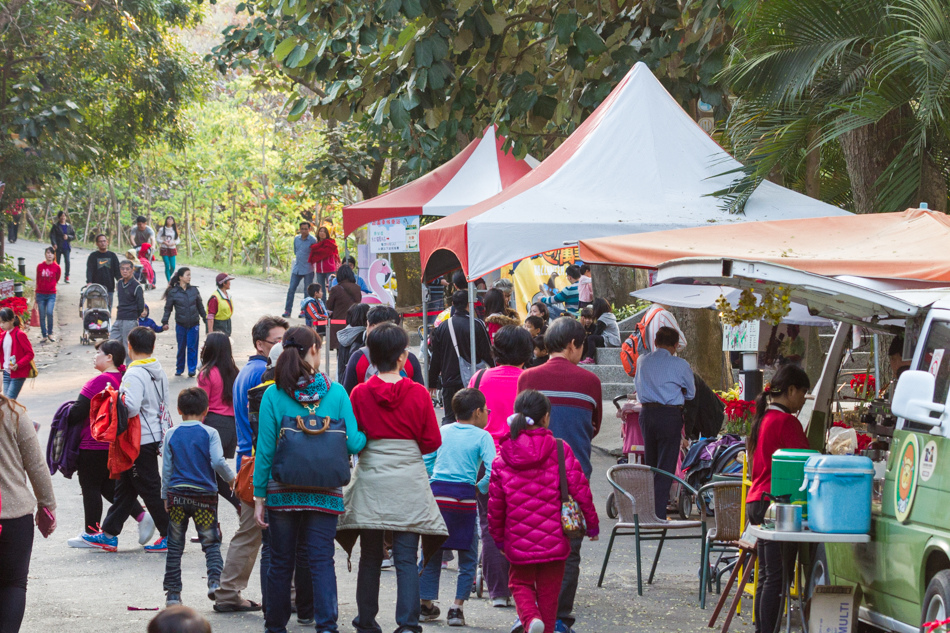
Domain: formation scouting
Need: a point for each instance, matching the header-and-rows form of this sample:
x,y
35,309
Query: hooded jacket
x,y
496,321
189,308
611,331
524,499
145,389
397,411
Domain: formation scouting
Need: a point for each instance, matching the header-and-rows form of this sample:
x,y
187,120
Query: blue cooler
x,y
839,493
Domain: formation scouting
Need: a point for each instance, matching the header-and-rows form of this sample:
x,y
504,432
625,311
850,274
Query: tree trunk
x,y
933,187
32,222
704,346
614,283
408,270
233,233
184,203
867,153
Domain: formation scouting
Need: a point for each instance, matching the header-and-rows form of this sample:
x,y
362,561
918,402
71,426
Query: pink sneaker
x,y
588,361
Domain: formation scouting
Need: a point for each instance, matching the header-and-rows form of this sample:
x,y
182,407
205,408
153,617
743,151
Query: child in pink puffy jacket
x,y
524,510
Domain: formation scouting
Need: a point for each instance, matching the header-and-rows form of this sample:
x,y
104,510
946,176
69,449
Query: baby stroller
x,y
680,499
95,314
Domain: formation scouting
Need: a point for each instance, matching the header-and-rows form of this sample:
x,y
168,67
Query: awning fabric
x,y
481,170
638,163
912,244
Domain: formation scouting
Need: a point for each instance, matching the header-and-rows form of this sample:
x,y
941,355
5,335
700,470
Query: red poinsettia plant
x,y
739,413
17,304
864,386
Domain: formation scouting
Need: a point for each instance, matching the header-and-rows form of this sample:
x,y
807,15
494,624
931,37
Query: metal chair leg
x,y
610,545
703,574
639,575
656,558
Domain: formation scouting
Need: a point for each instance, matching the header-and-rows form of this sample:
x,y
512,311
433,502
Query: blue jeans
x,y
169,261
203,510
44,304
303,598
187,341
295,280
405,550
316,530
12,386
468,564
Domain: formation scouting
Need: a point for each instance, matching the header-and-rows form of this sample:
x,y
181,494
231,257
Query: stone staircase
x,y
613,379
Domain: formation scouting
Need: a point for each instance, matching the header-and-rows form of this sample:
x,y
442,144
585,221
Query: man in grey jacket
x,y
144,391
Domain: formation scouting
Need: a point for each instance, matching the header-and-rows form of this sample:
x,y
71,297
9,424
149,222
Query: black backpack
x,y
704,414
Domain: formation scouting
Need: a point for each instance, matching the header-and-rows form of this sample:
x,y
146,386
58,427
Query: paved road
x,y
85,591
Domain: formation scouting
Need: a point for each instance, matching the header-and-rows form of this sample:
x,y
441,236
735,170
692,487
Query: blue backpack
x,y
62,450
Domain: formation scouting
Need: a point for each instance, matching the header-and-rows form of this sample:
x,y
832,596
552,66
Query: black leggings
x,y
768,592
16,545
93,469
65,255
591,344
224,425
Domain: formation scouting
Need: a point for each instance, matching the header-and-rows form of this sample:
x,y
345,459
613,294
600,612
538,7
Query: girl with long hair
x,y
168,241
185,300
524,509
216,377
774,427
307,513
16,353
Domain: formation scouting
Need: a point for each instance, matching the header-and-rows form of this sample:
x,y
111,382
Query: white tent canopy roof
x,y
639,163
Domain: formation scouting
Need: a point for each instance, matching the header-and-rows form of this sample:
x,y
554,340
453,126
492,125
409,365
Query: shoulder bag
x,y
311,453
572,519
465,367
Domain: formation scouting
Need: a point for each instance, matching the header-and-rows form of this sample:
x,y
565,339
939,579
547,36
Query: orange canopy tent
x,y
913,244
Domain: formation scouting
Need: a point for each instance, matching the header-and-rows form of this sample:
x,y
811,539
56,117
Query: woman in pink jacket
x,y
524,510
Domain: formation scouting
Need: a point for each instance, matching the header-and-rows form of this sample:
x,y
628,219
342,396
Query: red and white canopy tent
x,y
639,163
480,171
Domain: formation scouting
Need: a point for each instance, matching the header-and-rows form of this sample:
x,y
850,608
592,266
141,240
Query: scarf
x,y
144,361
312,389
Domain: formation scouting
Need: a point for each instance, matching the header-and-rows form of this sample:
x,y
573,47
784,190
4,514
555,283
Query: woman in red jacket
x,y
775,427
16,352
325,258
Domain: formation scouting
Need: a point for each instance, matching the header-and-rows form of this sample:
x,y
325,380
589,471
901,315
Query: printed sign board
x,y
395,235
741,338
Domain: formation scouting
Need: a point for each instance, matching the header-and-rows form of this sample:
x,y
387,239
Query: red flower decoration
x,y
17,304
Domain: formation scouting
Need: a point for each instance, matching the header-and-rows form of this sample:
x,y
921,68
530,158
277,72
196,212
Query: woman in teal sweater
x,y
300,392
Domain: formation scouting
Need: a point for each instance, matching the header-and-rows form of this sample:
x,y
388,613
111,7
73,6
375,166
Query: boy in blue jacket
x,y
192,456
144,321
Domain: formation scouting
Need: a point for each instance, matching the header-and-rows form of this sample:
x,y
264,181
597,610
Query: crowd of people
x,y
306,458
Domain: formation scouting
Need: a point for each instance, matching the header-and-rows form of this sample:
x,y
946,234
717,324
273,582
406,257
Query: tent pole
x,y
326,340
471,324
424,344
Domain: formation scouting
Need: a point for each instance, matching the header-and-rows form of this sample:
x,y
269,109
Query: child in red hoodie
x,y
524,510
47,275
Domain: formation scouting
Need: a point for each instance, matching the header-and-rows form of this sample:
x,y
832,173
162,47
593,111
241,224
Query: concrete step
x,y
613,389
608,355
609,373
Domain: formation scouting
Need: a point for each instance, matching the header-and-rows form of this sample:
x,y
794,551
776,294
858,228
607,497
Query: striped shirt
x,y
663,318
569,296
664,379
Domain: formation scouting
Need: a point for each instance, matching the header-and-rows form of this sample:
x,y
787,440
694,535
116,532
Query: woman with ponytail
x,y
301,391
775,427
524,510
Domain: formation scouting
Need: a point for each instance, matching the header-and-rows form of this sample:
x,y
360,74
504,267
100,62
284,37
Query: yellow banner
x,y
538,276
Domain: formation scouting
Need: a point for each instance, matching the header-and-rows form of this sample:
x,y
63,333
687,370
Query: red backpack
x,y
634,345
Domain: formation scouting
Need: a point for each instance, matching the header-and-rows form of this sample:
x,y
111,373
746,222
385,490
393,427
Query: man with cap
x,y
220,307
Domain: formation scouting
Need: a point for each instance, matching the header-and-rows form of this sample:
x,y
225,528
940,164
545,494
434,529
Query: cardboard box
x,y
834,609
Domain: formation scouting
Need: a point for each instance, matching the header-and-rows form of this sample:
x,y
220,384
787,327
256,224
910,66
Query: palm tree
x,y
866,80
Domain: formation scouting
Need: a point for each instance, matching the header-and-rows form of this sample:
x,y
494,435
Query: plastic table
x,y
754,533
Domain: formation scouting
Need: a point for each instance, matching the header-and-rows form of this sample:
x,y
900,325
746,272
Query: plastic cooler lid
x,y
794,454
840,463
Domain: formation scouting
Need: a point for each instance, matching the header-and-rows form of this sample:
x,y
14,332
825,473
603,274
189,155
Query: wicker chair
x,y
724,537
636,507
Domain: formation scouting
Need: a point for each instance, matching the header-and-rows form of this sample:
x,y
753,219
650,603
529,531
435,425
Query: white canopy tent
x,y
638,164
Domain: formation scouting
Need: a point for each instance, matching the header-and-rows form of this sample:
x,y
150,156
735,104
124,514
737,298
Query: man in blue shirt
x,y
302,270
246,543
663,383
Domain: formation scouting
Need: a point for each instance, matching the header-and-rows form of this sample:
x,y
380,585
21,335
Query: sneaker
x,y
50,339
445,564
561,627
172,598
588,361
44,340
501,603
66,281
428,613
305,621
387,563
455,617
79,542
535,626
160,546
146,528
103,542
517,627
286,315
213,586
191,374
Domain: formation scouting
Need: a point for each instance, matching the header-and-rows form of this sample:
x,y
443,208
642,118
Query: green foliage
x,y
89,83
419,78
813,74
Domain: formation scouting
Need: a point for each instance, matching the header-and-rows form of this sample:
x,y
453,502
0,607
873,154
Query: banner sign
x,y
741,338
395,235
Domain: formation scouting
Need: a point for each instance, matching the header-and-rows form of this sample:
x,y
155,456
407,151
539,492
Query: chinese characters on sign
x,y
741,338
395,235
